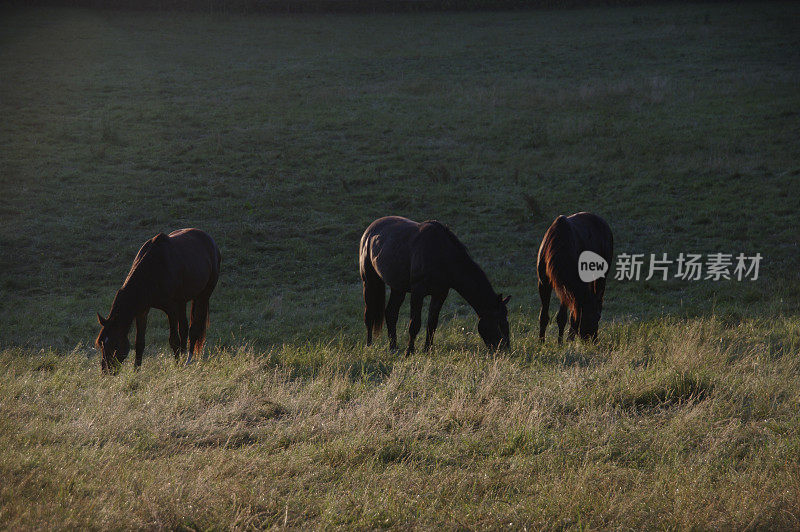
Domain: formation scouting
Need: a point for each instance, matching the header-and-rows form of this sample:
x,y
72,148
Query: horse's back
x,y
592,233
196,256
385,247
178,266
196,247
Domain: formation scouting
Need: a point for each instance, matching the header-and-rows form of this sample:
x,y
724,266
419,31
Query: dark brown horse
x,y
168,272
557,268
423,259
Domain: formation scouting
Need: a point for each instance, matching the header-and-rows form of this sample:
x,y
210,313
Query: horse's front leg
x,y
573,327
437,300
183,329
545,290
141,326
414,324
396,298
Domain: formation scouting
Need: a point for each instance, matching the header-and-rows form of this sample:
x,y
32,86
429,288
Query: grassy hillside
x,y
283,137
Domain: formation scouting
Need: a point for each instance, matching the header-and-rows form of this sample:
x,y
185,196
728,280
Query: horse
x,y
557,268
167,273
424,259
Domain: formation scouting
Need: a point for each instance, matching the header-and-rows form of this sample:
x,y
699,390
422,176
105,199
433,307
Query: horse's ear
x,y
101,320
506,300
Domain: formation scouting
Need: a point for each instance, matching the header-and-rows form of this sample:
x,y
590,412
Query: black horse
x,y
168,272
424,259
557,268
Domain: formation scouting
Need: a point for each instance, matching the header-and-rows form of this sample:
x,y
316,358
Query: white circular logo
x,y
591,266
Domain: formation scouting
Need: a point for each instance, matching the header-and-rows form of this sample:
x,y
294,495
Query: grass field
x,y
283,137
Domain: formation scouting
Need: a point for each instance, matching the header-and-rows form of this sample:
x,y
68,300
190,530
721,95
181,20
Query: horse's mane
x,y
143,273
560,256
453,238
480,281
149,254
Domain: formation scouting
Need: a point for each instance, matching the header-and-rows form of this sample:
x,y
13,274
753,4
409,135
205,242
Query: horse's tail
x,y
200,314
557,264
374,295
199,326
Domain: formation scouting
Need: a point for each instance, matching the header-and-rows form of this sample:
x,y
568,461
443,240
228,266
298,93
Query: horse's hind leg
x,y
545,290
437,300
561,320
141,326
374,298
396,298
198,326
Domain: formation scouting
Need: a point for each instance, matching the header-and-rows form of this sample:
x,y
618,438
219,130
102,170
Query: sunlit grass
x,y
687,423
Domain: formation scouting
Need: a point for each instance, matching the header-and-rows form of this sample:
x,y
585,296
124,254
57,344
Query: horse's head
x,y
113,345
493,325
590,318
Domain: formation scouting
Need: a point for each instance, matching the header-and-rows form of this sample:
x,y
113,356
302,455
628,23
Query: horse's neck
x,y
473,285
132,299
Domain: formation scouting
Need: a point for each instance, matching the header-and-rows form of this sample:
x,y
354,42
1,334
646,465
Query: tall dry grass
x,y
670,423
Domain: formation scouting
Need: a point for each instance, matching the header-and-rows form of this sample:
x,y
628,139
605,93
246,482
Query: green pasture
x,y
284,136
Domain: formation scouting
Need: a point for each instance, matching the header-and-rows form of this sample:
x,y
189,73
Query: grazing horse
x,y
424,259
168,272
557,268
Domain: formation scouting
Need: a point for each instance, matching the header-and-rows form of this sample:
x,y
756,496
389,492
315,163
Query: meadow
x,y
284,136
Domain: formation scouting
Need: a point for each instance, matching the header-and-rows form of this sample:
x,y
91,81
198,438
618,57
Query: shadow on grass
x,y
569,356
394,451
671,390
371,371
